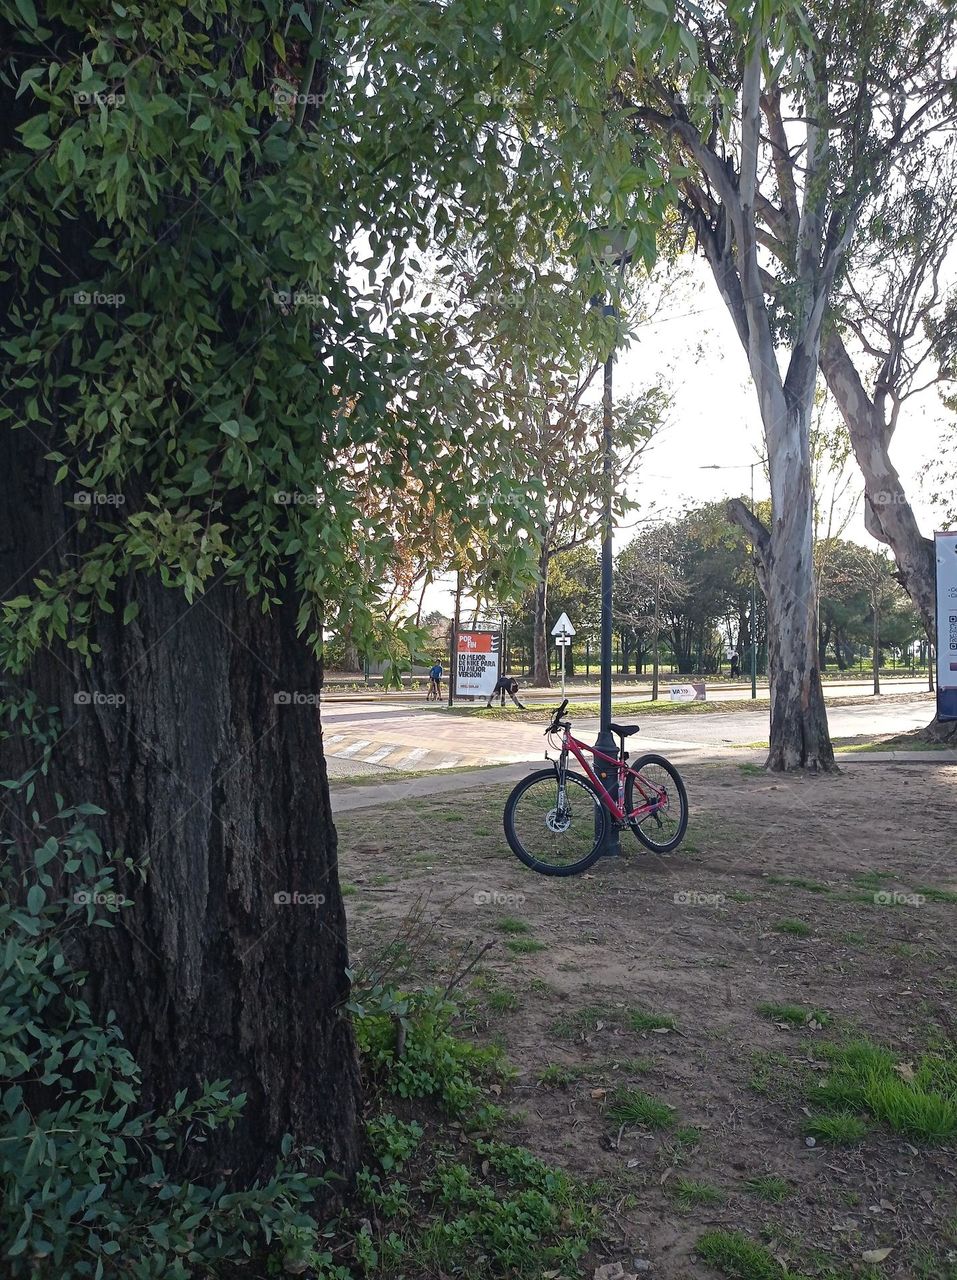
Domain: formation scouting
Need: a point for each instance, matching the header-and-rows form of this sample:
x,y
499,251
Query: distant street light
x,y
741,466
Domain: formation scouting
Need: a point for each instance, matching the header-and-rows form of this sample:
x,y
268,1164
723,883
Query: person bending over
x,y
505,685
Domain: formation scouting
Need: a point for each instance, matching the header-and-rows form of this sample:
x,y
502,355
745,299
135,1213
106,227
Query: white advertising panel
x,y
476,663
945,547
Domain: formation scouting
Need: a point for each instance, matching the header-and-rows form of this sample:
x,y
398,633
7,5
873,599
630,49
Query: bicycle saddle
x,y
624,730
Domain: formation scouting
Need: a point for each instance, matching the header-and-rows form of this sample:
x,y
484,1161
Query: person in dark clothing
x,y
505,685
735,664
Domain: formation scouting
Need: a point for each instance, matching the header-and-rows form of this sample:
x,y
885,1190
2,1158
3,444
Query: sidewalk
x,y
383,793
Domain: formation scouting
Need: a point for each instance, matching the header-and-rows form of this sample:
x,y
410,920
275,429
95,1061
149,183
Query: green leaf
x,y
36,899
28,13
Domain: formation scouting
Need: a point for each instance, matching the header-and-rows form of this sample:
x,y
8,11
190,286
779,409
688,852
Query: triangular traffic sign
x,y
563,626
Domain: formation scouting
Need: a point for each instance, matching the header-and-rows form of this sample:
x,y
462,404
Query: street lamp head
x,y
616,245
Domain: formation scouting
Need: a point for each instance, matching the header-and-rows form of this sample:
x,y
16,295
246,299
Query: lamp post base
x,y
607,776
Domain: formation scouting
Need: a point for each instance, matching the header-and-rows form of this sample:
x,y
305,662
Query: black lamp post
x,y
615,252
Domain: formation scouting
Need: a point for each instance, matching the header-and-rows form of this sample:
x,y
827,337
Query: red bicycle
x,y
556,820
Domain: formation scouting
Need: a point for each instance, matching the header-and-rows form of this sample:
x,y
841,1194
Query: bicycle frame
x,y
615,807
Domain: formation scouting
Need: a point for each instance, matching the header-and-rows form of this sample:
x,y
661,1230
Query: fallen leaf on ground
x,y
875,1255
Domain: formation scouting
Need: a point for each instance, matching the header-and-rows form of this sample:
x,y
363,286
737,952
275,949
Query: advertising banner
x,y
692,692
476,663
945,547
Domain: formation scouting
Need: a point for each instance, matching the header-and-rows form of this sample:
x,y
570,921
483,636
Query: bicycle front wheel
x,y
553,834
659,794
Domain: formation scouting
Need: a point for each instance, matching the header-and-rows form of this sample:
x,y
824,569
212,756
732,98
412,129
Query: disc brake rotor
x,y
558,821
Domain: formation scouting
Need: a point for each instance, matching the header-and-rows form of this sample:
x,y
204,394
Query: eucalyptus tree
x,y
784,128
211,221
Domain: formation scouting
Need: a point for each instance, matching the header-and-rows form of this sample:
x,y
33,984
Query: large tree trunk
x,y
540,676
197,731
785,565
888,514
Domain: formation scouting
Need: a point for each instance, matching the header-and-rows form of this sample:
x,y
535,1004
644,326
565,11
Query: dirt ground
x,y
842,865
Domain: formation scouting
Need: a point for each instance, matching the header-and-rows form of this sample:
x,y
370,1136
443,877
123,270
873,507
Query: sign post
x,y
563,632
945,547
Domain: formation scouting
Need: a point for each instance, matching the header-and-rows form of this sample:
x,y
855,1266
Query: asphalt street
x,y
363,735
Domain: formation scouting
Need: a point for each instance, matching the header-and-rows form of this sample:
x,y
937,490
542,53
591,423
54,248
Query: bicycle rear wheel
x,y
663,827
553,838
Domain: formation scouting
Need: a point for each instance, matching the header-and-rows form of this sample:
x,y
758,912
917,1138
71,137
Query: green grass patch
x,y
641,1020
795,1015
739,1257
841,1127
635,1107
508,924
689,1193
590,1017
937,895
556,1076
769,1187
866,1080
796,928
502,1001
524,946
800,882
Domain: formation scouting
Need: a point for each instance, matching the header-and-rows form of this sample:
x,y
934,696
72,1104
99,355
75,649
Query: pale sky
x,y
714,418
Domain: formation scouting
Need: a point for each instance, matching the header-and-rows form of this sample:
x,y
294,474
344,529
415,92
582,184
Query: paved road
x,y
855,687
361,735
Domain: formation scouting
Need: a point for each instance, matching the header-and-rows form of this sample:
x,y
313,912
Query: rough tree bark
x,y
540,676
888,515
197,731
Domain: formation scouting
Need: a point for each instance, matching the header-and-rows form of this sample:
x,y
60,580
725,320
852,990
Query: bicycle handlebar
x,y
557,716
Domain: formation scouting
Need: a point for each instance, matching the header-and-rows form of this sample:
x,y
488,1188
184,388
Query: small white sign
x,y
563,626
563,641
694,692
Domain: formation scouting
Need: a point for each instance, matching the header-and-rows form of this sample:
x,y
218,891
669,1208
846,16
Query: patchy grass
x,y
508,924
556,1076
689,1193
624,961
796,928
841,1127
640,1020
795,1015
865,1079
524,946
739,1257
769,1187
799,882
635,1107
